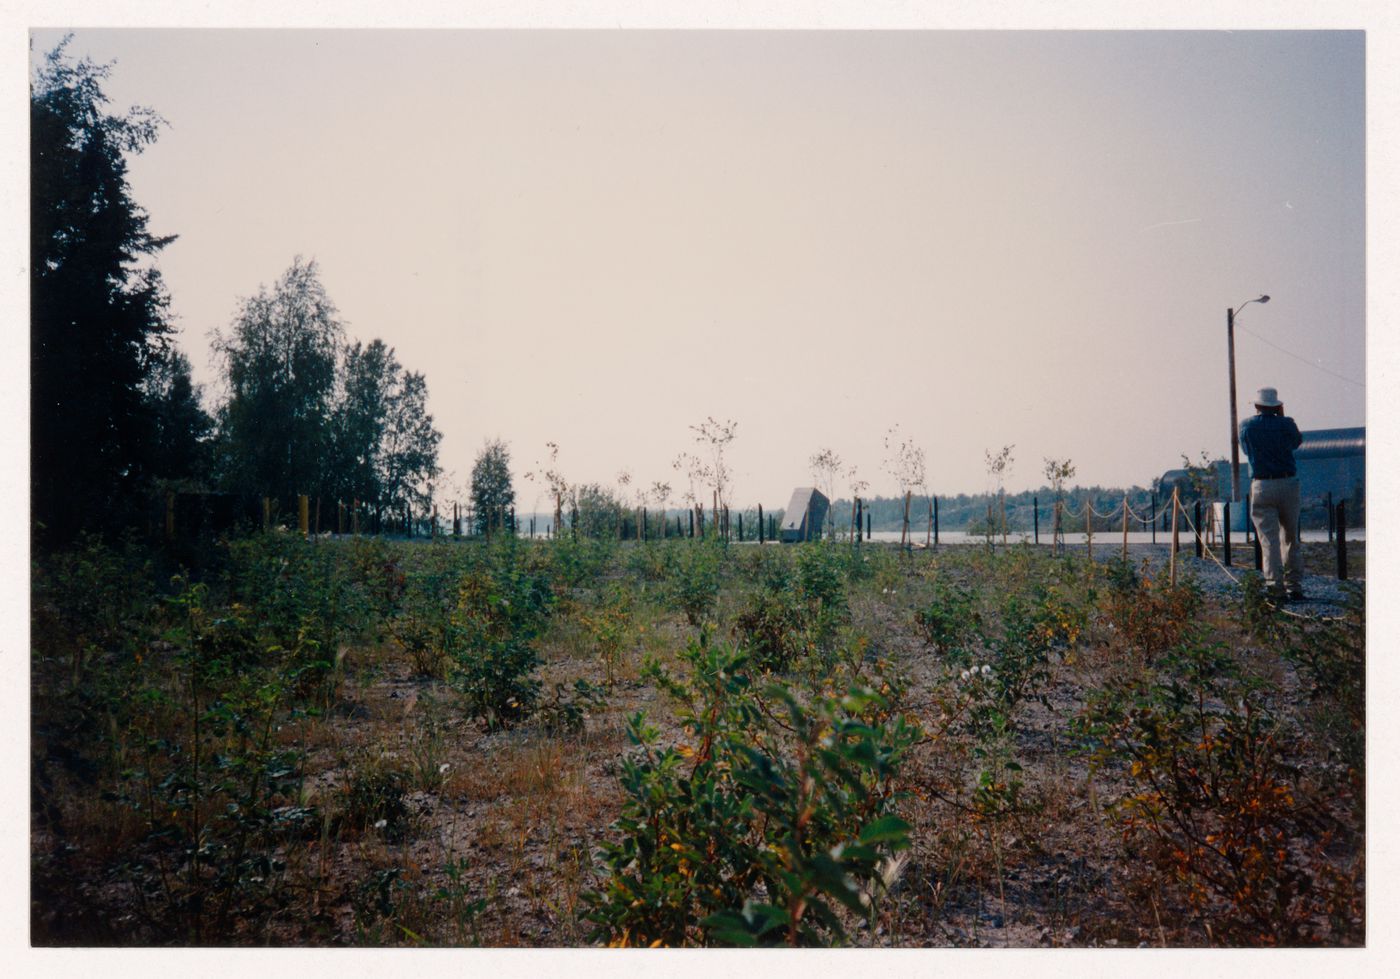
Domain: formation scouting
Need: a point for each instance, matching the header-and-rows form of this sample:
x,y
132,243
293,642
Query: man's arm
x,y
1294,436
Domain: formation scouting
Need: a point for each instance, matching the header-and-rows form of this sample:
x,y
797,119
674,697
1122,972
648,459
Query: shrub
x,y
759,830
609,626
949,620
1148,615
695,579
773,627
501,610
821,575
1215,809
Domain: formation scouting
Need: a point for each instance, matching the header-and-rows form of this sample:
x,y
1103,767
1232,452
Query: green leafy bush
x,y
501,610
950,619
695,579
773,627
760,829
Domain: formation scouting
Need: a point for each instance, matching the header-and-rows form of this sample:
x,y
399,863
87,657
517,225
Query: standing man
x,y
1269,439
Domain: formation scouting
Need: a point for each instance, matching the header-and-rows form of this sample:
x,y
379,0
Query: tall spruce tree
x,y
98,309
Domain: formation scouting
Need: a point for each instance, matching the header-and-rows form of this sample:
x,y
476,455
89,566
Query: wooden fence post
x,y
355,517
1197,528
1125,526
1176,536
1154,516
169,514
267,513
904,529
760,523
935,521
1089,529
1035,516
303,519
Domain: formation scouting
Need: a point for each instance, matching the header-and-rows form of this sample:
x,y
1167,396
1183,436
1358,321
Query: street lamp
x,y
1234,408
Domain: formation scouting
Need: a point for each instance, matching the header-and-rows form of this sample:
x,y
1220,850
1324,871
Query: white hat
x,y
1267,398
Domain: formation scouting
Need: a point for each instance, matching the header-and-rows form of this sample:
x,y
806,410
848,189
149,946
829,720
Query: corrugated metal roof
x,y
1325,443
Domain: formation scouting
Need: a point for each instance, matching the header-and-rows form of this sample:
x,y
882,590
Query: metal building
x,y
805,515
1331,463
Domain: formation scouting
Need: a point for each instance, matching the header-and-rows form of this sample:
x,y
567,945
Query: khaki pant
x,y
1274,505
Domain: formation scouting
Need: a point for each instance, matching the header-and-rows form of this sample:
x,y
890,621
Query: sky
x,y
602,238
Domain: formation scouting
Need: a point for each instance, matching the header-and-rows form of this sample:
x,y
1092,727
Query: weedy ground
x,y
364,742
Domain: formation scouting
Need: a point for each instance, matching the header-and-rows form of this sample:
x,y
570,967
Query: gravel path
x,y
1326,595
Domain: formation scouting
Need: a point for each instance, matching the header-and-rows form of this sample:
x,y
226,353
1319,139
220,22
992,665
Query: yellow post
x,y
1125,526
303,515
1089,529
1176,535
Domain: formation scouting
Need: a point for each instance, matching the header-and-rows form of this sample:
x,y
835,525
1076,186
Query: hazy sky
x,y
601,238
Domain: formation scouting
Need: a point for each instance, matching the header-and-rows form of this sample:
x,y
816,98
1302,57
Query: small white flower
x,y
986,669
966,676
442,769
381,824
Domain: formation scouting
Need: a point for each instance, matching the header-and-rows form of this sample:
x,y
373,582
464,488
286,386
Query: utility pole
x,y
1234,408
1234,412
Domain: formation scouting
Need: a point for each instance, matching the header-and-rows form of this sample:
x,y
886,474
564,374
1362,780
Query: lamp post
x,y
1234,408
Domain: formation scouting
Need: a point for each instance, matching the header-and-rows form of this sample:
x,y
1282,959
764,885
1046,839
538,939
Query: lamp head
x,y
1262,299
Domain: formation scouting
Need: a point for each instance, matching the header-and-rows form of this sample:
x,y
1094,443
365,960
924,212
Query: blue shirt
x,y
1269,441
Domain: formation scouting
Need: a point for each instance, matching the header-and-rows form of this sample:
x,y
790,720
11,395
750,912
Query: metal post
x,y
935,521
1234,410
1341,540
867,522
1197,528
760,523
1154,516
1035,511
1331,518
1227,533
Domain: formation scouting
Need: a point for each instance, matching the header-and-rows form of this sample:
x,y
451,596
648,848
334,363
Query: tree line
x,y
115,414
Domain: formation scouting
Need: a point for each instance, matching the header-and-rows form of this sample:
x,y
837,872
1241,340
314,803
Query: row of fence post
x,y
309,521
